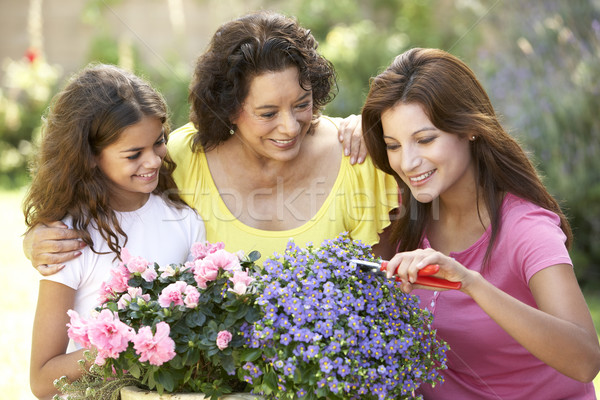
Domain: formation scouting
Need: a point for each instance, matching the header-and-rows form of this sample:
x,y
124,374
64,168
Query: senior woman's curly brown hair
x,y
239,51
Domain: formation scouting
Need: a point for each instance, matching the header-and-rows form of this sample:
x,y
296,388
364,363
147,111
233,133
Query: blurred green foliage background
x,y
538,60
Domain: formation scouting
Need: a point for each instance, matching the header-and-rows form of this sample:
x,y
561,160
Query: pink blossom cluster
x,y
202,249
119,277
111,337
179,294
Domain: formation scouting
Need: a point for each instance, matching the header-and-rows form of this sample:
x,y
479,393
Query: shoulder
x,y
530,236
181,138
326,134
323,149
521,213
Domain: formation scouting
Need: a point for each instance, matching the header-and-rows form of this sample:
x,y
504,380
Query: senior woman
x,y
258,161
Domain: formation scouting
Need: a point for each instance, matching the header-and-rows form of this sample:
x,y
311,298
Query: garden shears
x,y
423,276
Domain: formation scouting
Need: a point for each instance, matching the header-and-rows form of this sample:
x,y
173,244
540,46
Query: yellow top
x,y
359,203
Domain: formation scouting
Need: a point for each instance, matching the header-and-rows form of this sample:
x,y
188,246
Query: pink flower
x,y
156,349
109,335
172,294
149,274
191,297
205,271
223,259
223,339
125,255
201,250
119,278
240,280
78,330
105,293
137,264
124,301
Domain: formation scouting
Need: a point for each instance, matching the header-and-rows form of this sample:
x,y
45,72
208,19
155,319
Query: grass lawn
x,y
18,295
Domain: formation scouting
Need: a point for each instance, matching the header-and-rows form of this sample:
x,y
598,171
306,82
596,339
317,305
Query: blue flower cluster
x,y
332,331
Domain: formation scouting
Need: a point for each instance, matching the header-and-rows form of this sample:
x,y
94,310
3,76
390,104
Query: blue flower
x,y
285,339
325,364
312,351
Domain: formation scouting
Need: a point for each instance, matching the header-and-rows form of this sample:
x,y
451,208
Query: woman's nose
x,y
410,160
289,123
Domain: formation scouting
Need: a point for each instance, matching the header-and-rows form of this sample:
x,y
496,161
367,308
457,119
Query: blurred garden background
x,y
538,60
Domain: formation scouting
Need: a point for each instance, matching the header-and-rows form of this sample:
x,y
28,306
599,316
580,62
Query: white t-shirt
x,y
157,231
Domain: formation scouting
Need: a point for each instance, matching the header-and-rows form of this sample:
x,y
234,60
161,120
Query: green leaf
x,y
253,315
271,380
253,256
250,355
165,379
134,369
228,364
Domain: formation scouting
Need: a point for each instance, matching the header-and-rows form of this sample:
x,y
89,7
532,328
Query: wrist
x,y
471,282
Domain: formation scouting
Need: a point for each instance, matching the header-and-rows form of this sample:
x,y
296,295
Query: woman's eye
x,y
426,140
268,115
160,141
392,146
303,106
133,157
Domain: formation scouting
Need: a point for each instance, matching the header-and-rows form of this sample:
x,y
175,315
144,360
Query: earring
x,y
473,137
231,131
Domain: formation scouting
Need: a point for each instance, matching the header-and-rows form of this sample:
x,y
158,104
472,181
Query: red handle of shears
x,y
424,278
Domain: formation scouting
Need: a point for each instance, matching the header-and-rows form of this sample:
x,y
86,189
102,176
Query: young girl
x,y
103,169
519,327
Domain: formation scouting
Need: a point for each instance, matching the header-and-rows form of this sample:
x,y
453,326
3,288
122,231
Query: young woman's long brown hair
x,y
456,103
89,114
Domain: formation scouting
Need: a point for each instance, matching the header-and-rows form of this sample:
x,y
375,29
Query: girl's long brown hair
x,y
456,103
89,114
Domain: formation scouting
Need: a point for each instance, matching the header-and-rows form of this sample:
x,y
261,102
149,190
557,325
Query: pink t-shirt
x,y
484,362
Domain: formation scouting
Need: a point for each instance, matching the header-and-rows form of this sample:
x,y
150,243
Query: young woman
x,y
472,202
103,170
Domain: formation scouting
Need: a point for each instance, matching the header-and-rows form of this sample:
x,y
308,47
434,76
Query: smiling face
x,y
433,163
132,163
275,116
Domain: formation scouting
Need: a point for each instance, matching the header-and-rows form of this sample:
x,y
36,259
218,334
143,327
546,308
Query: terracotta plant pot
x,y
134,393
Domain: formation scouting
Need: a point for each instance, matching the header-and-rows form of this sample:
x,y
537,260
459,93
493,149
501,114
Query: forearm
x,y
564,345
42,378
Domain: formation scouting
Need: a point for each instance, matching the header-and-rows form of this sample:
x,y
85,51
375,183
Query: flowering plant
x,y
332,331
172,328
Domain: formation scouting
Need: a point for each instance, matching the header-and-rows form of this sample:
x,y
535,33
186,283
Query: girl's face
x,y
275,116
132,163
431,162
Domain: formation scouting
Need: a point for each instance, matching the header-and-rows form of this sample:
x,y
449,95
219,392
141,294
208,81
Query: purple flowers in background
x,y
329,329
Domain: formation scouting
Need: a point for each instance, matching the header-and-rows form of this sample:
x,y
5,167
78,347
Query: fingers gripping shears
x,y
423,276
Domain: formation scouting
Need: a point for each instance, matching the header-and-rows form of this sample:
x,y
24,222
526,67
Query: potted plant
x,y
306,324
172,328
